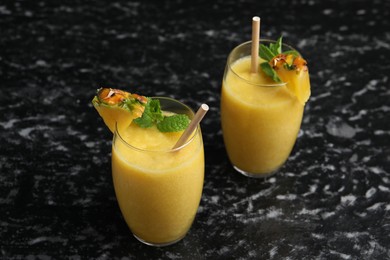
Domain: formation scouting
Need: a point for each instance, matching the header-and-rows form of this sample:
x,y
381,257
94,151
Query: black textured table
x,y
331,200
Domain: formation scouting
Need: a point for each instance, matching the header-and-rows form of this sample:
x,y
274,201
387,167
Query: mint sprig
x,y
173,123
153,115
267,53
270,72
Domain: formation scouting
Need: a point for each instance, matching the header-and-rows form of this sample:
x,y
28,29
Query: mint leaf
x,y
269,71
268,53
173,123
154,110
151,115
265,52
145,121
276,48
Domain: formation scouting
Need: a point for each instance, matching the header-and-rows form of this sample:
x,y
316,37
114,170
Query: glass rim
x,y
190,140
248,81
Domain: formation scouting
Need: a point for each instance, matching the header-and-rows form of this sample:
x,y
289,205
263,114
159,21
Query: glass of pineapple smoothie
x,y
158,188
261,116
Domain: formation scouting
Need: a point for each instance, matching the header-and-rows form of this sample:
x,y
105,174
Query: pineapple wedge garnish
x,y
118,108
293,70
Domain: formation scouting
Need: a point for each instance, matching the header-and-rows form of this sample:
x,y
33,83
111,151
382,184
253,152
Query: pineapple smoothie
x,y
158,188
261,116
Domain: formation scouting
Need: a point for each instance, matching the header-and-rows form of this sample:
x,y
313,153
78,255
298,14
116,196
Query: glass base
x,y
255,175
158,244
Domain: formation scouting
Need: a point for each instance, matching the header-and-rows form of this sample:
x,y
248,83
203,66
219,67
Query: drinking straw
x,y
255,44
194,123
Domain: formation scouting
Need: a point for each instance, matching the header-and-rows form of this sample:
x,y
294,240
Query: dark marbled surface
x,y
331,200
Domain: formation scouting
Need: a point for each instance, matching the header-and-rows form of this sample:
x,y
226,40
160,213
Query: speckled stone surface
x,y
331,200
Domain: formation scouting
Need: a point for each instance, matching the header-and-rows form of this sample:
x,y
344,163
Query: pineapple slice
x,y
118,107
293,70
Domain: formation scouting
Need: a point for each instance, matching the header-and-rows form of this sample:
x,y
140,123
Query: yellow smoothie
x,y
260,119
158,189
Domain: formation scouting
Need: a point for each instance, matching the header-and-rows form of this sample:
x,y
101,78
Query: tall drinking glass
x,y
260,119
158,190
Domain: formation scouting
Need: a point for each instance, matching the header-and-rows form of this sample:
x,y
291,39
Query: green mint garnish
x,y
276,47
173,123
270,72
267,53
153,115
